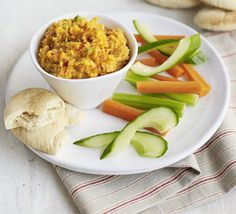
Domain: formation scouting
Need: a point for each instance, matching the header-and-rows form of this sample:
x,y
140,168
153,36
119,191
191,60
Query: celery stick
x,y
142,106
189,99
145,106
147,102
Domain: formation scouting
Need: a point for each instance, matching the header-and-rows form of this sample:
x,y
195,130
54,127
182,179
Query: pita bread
x,y
47,139
175,4
32,108
224,4
50,138
38,117
216,19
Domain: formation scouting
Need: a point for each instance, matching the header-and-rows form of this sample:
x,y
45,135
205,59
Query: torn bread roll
x,y
216,19
175,4
224,4
38,117
32,108
49,138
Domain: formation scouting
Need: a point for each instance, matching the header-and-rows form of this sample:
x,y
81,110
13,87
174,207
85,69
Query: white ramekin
x,y
85,93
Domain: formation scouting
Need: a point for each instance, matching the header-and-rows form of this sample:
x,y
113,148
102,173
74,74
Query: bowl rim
x,y
35,40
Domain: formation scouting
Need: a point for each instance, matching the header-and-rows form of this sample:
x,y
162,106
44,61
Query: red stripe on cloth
x,y
207,197
150,192
87,182
218,156
222,134
215,137
229,166
117,190
213,143
68,176
206,179
95,183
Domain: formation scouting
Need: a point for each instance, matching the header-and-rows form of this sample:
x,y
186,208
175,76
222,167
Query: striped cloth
x,y
199,178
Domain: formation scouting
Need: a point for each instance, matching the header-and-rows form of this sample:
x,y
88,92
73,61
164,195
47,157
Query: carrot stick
x,y
139,39
158,37
149,61
120,110
123,111
164,78
193,75
160,58
168,87
152,62
162,37
176,71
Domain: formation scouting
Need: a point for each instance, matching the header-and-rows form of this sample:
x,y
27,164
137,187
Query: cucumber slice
x,y
162,119
144,31
185,48
98,140
167,47
149,145
145,143
197,58
132,78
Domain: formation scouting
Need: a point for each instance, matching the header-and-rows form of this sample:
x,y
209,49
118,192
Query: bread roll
x,y
38,117
175,4
224,4
48,138
32,108
216,19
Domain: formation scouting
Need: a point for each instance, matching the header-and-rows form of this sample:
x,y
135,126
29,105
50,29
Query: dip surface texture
x,y
79,48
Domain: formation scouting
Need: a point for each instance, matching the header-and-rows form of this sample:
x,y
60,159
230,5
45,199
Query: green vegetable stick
x,y
148,102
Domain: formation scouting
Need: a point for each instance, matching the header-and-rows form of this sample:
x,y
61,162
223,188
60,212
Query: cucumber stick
x,y
147,35
185,48
149,145
162,119
144,31
132,78
197,58
146,144
166,47
98,140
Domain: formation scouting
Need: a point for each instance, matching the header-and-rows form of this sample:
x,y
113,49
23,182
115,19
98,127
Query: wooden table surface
x,y
29,184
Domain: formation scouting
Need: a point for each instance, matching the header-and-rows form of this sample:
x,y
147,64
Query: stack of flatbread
x,y
215,15
38,118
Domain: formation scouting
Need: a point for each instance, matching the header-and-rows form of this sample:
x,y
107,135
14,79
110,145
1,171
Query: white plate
x,y
196,127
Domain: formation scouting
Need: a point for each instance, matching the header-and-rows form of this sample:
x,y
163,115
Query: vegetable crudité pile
x,y
162,98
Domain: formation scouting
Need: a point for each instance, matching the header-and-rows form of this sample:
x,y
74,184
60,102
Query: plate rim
x,y
178,157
